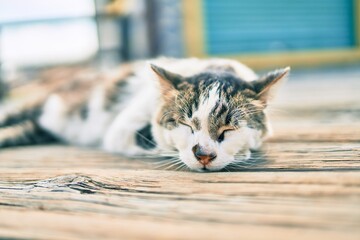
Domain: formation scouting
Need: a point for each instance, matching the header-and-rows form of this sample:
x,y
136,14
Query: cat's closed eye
x,y
221,137
187,125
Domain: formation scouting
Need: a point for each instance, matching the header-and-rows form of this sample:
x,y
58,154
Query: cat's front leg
x,y
122,140
120,137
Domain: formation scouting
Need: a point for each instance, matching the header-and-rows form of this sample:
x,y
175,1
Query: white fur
x,y
206,105
92,130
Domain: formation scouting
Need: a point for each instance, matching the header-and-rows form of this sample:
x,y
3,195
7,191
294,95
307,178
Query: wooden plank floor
x,y
304,184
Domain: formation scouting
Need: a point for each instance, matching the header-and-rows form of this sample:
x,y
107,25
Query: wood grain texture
x,y
303,184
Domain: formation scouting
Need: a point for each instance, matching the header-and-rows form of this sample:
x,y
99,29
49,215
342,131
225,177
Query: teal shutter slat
x,y
237,26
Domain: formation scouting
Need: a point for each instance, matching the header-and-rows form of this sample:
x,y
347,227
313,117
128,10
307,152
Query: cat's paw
x,y
123,144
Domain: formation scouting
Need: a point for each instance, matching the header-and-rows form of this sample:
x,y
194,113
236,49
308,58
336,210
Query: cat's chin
x,y
202,169
206,170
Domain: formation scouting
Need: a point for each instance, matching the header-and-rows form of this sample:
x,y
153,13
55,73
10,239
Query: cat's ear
x,y
267,85
167,80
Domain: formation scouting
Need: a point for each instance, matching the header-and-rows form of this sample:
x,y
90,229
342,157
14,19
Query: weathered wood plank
x,y
275,156
52,225
325,203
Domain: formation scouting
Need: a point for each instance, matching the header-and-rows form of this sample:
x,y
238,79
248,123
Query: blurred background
x,y
263,34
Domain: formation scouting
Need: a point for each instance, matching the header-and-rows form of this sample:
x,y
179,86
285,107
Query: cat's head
x,y
213,118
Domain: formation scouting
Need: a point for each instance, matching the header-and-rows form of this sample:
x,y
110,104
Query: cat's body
x,y
207,111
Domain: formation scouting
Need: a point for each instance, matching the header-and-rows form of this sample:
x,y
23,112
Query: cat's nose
x,y
204,157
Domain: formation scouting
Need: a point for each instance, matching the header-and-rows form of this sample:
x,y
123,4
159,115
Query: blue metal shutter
x,y
243,26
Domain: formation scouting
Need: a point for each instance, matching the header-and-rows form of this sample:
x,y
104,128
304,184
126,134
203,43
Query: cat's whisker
x,y
226,168
186,168
167,161
162,153
146,139
168,157
173,165
180,167
167,165
244,164
175,154
236,167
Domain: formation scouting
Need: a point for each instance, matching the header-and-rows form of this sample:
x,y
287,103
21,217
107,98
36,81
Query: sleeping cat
x,y
210,113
